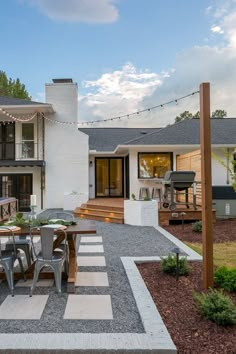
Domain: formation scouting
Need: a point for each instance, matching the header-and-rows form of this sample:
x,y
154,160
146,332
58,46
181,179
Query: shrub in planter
x,y
197,226
225,278
216,307
168,265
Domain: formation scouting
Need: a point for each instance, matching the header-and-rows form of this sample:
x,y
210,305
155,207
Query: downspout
x,y
227,165
43,168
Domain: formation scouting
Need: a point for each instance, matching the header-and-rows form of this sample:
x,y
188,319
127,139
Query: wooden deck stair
x,y
105,213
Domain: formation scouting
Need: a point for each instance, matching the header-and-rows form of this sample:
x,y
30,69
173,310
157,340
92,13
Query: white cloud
x,y
91,11
131,89
118,92
216,29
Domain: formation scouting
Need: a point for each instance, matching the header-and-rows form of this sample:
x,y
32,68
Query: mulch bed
x,y
223,231
191,333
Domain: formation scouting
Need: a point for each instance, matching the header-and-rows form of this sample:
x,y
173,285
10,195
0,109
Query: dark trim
x,y
14,163
223,193
127,183
109,158
151,153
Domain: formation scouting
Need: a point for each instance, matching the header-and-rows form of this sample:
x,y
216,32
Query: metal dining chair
x,y
22,243
8,258
61,215
47,257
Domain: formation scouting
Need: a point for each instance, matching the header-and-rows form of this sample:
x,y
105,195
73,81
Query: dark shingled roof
x,y
187,132
107,139
223,131
11,101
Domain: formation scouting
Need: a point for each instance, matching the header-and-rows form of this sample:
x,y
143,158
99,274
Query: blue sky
x,y
126,55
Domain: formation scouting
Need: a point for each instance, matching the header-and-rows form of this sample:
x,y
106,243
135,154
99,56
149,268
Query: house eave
x,y
42,108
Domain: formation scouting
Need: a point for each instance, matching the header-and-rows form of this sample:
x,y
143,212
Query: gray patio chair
x,y
22,243
47,257
8,258
61,215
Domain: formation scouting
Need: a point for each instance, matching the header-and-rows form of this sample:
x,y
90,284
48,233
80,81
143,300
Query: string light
x,y
137,113
18,119
123,116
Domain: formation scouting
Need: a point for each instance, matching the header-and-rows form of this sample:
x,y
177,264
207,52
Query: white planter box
x,y
141,213
72,201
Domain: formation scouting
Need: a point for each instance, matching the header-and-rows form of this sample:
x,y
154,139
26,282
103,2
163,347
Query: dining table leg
x,y
72,266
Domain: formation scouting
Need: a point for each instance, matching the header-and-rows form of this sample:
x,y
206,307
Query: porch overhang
x,y
27,109
30,163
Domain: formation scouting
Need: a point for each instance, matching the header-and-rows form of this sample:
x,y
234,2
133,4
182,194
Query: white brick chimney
x,y
66,148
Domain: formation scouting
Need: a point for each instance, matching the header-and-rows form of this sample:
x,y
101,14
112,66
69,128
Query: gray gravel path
x,y
118,241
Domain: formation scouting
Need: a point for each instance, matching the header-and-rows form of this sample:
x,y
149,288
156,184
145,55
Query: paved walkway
x,y
105,299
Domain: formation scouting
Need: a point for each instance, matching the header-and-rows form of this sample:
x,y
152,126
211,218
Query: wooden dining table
x,y
72,232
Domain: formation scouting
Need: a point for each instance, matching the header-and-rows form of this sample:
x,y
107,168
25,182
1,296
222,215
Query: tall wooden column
x,y
207,228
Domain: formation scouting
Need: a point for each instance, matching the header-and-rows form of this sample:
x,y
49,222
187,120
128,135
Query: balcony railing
x,y
28,151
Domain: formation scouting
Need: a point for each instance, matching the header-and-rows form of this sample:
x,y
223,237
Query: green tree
x,y
219,113
183,116
12,88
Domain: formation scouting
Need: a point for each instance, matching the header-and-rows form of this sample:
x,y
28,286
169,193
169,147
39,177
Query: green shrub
x,y
168,265
133,196
197,226
216,307
225,278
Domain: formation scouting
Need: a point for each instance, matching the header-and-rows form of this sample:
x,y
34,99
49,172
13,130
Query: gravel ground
x,y
118,241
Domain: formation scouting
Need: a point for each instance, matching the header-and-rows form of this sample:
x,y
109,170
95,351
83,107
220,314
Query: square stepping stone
x,y
23,307
91,279
91,249
88,307
40,282
91,239
91,261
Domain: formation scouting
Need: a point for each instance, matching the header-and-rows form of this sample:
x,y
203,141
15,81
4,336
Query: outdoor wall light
x,y
177,252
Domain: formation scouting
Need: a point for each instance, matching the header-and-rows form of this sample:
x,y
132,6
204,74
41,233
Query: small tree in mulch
x,y
216,307
169,265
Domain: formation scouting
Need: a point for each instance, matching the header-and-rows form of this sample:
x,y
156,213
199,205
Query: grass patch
x,y
223,253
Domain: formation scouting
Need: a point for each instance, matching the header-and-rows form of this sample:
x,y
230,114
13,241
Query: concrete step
x,y
95,216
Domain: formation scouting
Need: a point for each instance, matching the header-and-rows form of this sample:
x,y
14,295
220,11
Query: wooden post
x,y
205,141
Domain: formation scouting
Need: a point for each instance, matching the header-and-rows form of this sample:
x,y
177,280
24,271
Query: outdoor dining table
x,y
82,227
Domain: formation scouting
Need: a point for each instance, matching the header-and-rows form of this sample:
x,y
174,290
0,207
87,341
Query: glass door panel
x,y
18,186
102,178
109,177
116,178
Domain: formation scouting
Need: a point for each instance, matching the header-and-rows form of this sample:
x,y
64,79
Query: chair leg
x,y
57,268
28,256
10,281
36,275
21,267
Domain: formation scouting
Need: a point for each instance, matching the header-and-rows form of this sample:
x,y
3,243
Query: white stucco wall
x,y
66,148
219,172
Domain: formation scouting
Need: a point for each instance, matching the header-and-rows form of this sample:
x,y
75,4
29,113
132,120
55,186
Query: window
x,y
28,140
153,164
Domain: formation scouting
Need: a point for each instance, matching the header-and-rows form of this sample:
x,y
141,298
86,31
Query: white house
x,y
41,153
40,156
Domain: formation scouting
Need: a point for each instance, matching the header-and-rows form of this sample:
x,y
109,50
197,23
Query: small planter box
x,y
141,213
72,201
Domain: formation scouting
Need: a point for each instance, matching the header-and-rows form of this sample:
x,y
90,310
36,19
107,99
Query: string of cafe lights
x,y
162,105
27,118
32,116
